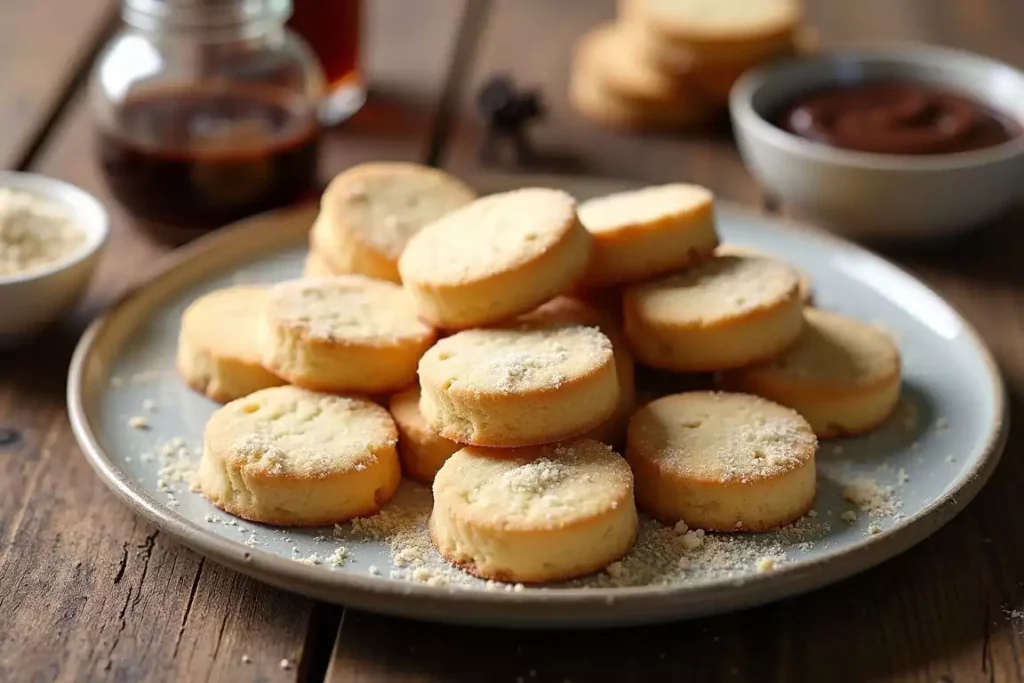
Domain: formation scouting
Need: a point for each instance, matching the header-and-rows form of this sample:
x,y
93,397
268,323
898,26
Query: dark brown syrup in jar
x,y
332,29
188,160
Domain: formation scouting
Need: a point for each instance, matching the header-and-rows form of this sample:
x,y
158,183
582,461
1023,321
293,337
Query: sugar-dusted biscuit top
x,y
722,461
343,333
519,385
643,233
718,21
291,456
369,212
727,312
806,284
534,514
499,256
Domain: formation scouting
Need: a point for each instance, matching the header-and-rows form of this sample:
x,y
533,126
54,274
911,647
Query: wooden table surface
x,y
90,592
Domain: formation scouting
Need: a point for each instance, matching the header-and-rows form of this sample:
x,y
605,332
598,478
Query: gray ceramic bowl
x,y
31,300
889,196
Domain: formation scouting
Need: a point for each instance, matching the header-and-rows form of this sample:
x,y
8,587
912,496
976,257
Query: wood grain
x,y
44,45
944,611
90,592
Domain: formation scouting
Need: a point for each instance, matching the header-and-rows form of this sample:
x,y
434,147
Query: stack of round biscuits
x,y
508,392
671,63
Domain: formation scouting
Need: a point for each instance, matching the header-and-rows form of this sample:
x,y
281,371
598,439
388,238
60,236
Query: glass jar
x,y
206,112
333,28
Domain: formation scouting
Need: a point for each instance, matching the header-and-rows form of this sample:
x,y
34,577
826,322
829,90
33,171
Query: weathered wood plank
x,y
89,591
43,47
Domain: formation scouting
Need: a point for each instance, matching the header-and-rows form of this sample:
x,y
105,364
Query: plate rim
x,y
640,604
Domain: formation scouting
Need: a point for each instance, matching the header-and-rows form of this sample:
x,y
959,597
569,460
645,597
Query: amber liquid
x,y
332,28
186,161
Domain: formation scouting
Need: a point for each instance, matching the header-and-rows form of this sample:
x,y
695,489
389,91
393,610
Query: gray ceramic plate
x,y
905,480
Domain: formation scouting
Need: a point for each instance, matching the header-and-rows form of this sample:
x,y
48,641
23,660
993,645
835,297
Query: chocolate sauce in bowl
x,y
897,118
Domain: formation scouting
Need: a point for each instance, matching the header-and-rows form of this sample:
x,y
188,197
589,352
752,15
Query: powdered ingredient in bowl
x,y
33,232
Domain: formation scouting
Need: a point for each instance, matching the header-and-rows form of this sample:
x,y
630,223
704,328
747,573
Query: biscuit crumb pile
x,y
178,465
486,348
661,555
404,530
873,499
671,63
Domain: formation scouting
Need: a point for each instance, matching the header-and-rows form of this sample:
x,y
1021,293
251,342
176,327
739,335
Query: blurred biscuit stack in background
x,y
671,63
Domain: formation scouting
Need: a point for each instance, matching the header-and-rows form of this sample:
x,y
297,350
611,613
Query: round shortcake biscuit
x,y
629,96
721,462
369,212
709,75
347,333
607,50
530,515
671,58
292,457
717,31
643,233
421,449
568,310
728,312
519,386
842,375
218,354
594,100
700,65
316,266
495,258
806,284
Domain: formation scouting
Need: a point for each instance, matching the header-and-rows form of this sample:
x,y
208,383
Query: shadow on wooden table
x,y
39,368
989,255
385,115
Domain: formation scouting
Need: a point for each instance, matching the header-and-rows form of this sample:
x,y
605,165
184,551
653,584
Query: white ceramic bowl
x,y
31,300
887,196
